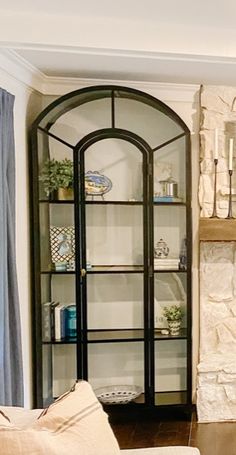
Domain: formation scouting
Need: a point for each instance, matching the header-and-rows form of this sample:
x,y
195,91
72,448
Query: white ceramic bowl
x,y
118,394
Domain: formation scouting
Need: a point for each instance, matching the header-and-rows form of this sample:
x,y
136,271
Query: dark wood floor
x,y
210,438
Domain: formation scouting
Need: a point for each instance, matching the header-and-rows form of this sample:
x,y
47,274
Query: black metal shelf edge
x,y
174,398
169,271
70,201
170,203
98,270
61,201
115,336
57,272
159,336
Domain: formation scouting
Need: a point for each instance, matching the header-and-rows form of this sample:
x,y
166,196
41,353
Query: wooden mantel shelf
x,y
217,230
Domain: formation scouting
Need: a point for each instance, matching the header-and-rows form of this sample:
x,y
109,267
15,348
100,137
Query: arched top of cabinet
x,y
77,98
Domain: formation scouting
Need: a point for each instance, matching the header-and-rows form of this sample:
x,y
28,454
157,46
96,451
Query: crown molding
x,y
21,70
29,75
168,91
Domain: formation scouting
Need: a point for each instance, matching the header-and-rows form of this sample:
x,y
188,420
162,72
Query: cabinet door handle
x,y
82,272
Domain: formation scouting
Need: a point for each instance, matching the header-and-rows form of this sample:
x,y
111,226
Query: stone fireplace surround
x,y
216,388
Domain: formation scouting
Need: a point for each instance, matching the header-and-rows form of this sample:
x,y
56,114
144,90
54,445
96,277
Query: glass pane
x,y
120,164
59,360
63,368
114,235
111,364
169,227
47,394
57,237
59,370
149,123
55,167
170,173
82,120
78,99
170,371
115,301
170,290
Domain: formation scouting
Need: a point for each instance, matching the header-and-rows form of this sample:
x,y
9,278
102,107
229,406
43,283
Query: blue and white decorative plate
x,y
96,184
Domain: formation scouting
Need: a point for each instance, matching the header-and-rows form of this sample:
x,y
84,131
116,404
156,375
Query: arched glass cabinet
x,y
112,252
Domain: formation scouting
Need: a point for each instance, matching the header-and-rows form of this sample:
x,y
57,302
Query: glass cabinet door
x,y
171,272
57,292
114,286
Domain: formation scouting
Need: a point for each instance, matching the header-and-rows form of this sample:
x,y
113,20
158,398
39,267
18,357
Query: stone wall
x,y
218,110
216,392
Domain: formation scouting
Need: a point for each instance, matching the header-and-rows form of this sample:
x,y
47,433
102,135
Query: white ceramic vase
x,y
174,327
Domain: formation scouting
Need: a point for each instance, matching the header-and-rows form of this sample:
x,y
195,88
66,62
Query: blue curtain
x,y
11,374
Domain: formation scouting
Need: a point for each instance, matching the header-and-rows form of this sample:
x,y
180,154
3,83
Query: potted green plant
x,y
174,316
57,176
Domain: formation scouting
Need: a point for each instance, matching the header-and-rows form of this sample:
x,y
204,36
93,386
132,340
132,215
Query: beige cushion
x,y
75,424
21,417
178,450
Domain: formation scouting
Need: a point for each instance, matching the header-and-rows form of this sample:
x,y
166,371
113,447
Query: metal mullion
x,y
56,137
113,109
77,223
37,354
164,144
83,279
189,262
151,280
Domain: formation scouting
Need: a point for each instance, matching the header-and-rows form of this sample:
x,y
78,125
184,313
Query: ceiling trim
x,y
29,75
170,91
21,70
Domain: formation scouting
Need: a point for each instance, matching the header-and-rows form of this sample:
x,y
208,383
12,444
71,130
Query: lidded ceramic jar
x,y
161,249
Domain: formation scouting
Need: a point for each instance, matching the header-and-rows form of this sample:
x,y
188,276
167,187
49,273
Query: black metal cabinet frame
x,y
43,125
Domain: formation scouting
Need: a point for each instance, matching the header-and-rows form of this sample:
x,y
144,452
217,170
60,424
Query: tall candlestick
x,y
216,148
231,147
230,213
214,212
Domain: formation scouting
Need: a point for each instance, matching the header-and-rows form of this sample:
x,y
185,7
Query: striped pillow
x,y
75,424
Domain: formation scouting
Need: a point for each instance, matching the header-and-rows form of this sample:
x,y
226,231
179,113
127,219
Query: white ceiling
x,y
172,41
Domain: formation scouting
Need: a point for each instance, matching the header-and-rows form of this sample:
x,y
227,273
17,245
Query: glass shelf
x,y
174,398
50,201
170,203
104,336
98,202
101,269
182,335
116,269
119,335
113,269
169,271
70,201
57,272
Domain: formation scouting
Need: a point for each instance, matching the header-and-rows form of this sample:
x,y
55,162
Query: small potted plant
x,y
57,176
174,316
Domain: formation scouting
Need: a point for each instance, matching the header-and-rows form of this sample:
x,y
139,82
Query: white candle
x,y
231,147
216,148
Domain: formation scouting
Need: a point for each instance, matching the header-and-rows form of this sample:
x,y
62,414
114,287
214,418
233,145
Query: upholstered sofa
x,y
162,451
75,424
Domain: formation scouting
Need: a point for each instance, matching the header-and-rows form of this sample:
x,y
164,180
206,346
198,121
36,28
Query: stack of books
x,y
58,321
166,263
167,199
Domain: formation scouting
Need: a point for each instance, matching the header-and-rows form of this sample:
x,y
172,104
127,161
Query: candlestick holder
x,y
230,215
214,213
